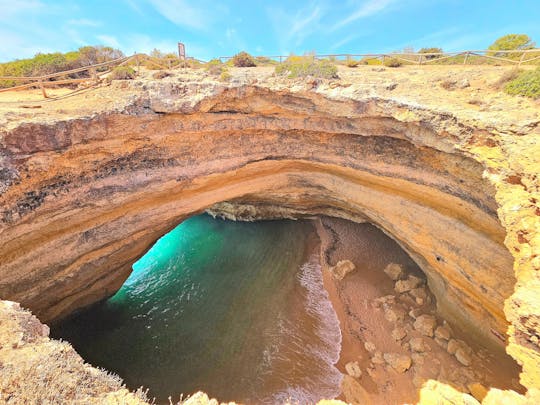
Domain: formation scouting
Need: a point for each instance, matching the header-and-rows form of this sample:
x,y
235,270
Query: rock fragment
x,y
463,357
377,358
398,334
452,347
442,332
399,362
478,391
409,284
394,271
394,314
425,324
418,345
353,369
342,268
370,347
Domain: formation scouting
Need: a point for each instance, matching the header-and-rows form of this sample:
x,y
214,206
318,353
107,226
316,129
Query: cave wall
x,y
83,198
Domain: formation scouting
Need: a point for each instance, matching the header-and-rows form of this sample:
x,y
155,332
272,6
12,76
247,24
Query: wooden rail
x,y
94,76
424,58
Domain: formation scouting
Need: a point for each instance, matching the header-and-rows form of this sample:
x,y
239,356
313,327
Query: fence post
x,y
466,58
42,87
521,59
93,74
421,59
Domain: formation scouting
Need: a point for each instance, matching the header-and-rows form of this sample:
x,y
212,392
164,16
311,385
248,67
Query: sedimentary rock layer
x,y
84,198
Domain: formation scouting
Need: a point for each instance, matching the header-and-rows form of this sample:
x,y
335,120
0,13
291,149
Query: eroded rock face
x,y
82,199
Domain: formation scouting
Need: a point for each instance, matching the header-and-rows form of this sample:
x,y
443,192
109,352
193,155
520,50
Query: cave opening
x,y
254,312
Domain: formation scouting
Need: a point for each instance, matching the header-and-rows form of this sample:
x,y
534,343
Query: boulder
x,y
342,268
418,345
452,347
394,271
394,314
353,369
442,332
463,357
478,391
399,362
408,284
425,324
398,334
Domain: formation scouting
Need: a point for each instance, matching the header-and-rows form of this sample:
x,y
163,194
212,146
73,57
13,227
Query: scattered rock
x,y
418,345
370,347
463,84
415,313
441,342
425,324
394,271
394,314
452,347
342,268
418,358
353,391
399,333
409,284
478,391
463,357
353,369
377,358
419,292
399,362
442,332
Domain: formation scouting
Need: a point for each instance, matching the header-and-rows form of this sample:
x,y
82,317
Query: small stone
x,y
406,346
419,292
452,347
418,381
478,391
418,358
441,342
394,271
463,84
399,333
418,345
463,357
399,362
394,314
409,284
377,358
353,369
442,332
415,313
425,324
370,347
342,268
419,301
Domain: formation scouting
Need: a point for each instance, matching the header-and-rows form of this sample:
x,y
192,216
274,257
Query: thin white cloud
x,y
84,22
344,41
108,40
10,8
181,13
366,9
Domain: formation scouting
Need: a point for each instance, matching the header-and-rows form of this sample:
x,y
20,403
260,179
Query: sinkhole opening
x,y
257,312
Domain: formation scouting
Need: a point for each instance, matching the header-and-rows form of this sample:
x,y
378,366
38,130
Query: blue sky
x,y
221,28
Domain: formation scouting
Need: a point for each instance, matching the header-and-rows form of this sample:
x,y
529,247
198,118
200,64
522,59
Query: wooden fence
x,y
98,70
450,58
95,71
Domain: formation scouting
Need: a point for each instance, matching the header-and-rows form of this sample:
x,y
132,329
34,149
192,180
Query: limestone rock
x,y
463,357
377,358
442,332
342,268
453,345
394,314
399,362
370,347
425,324
408,284
419,292
441,342
418,344
394,271
478,391
353,391
415,313
353,369
399,333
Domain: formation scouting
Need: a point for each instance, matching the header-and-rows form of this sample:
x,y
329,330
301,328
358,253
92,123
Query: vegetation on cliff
x,y
525,84
308,65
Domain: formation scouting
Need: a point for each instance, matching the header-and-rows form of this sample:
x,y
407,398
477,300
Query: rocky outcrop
x,y
84,197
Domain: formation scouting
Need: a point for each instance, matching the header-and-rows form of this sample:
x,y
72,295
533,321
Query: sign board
x,y
181,51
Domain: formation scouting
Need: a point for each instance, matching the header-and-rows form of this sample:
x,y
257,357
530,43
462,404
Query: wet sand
x,y
363,320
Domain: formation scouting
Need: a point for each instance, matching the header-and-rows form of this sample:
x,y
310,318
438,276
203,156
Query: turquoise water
x,y
235,309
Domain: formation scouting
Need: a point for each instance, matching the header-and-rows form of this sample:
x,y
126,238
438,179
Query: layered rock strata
x,y
85,197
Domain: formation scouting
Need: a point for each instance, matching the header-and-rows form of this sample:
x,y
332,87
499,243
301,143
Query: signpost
x,y
181,51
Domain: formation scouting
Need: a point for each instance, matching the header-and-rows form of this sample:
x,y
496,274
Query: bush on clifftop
x,y
525,84
302,66
243,59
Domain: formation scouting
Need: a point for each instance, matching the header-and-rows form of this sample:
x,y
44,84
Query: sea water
x,y
235,309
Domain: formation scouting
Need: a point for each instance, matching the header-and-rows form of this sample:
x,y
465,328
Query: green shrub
x,y
352,63
161,74
215,67
370,61
302,66
122,73
243,59
225,76
431,50
511,42
263,60
392,62
525,84
507,76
